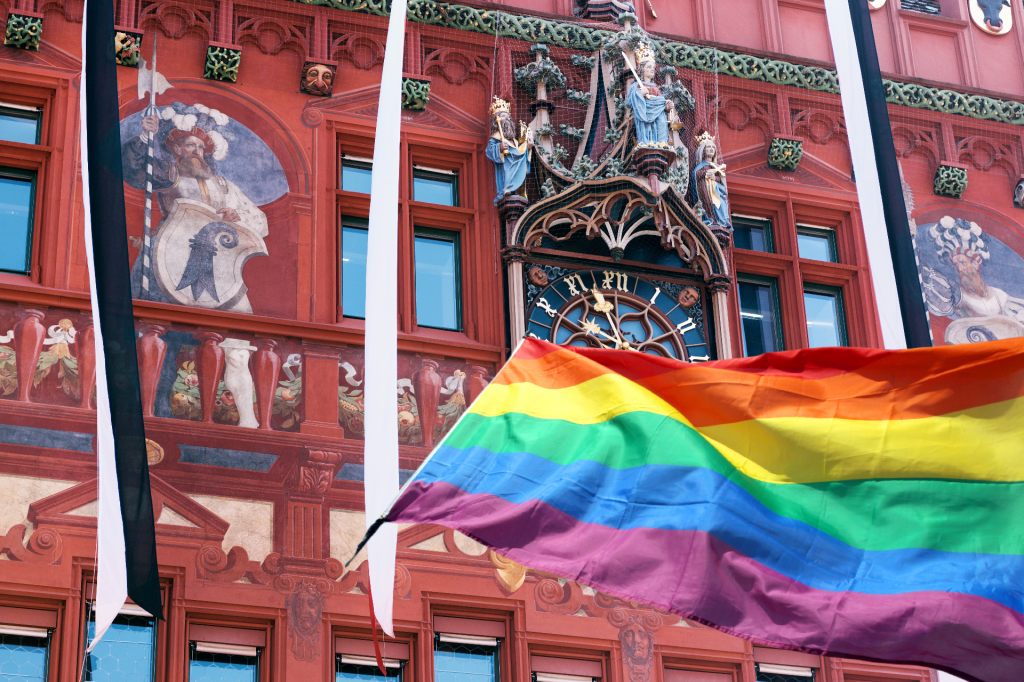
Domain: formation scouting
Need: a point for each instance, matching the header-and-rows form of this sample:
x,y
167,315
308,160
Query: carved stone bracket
x,y
950,179
24,30
415,93
511,207
785,153
653,163
44,546
515,254
222,62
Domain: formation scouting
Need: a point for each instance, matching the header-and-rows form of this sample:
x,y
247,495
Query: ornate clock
x,y
615,309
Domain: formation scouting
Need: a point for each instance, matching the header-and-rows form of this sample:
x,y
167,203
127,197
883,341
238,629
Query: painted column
x,y
266,370
476,382
28,343
86,365
209,365
427,383
152,350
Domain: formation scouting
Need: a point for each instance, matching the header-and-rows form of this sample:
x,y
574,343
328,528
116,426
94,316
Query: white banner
x,y
380,456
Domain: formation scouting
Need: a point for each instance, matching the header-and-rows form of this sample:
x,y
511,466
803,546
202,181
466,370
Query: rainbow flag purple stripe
x,y
850,502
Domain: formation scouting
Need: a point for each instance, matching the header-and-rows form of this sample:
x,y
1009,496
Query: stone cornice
x,y
534,29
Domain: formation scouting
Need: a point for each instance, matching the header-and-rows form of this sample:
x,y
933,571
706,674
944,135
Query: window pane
x,y
23,659
759,315
208,667
465,663
353,270
817,244
753,234
125,652
16,195
356,175
437,281
435,188
19,126
825,324
350,673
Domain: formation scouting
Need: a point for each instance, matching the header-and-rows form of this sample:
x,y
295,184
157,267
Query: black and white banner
x,y
879,188
126,544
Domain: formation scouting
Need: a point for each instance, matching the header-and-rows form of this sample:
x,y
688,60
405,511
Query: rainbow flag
x,y
850,502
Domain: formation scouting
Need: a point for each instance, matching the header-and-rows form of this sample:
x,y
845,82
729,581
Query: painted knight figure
x,y
210,226
709,186
510,153
650,107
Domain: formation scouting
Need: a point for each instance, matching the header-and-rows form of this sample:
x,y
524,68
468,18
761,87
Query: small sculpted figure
x,y
709,183
509,153
649,105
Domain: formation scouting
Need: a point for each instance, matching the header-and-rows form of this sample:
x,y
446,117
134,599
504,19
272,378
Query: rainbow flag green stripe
x,y
920,513
855,490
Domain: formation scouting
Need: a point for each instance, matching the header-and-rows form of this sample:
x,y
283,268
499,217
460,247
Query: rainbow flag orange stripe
x,y
852,502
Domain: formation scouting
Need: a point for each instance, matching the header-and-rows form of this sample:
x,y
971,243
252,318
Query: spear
x,y
147,225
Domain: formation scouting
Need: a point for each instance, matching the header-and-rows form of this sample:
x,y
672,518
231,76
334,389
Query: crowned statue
x,y
510,152
709,183
650,107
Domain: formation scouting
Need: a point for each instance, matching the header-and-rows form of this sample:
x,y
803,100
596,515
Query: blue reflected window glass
x,y
435,187
752,234
368,672
208,666
19,125
465,663
356,175
353,267
126,652
817,244
17,197
23,658
759,316
438,298
826,323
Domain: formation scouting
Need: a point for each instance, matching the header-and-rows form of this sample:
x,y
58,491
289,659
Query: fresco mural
x,y
971,281
209,175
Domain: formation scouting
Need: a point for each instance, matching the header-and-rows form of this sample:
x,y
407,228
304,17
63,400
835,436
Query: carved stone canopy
x,y
617,211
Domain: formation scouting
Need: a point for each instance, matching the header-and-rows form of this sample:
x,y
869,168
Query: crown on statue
x,y
500,106
644,53
704,137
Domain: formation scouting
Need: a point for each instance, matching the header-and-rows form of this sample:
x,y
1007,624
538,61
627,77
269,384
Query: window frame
x,y
420,149
837,292
230,633
454,237
127,610
33,178
773,284
47,98
769,231
429,173
829,233
33,618
789,209
345,221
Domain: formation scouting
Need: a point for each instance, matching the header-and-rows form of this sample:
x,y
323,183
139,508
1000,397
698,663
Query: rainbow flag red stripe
x,y
851,502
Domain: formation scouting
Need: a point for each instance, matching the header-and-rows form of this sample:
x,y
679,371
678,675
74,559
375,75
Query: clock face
x,y
613,309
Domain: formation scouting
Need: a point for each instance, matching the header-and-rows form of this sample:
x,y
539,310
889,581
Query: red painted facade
x,y
253,523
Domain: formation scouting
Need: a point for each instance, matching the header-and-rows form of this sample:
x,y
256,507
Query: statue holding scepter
x,y
510,155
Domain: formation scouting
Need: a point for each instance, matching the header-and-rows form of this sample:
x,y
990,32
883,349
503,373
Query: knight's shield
x,y
198,257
